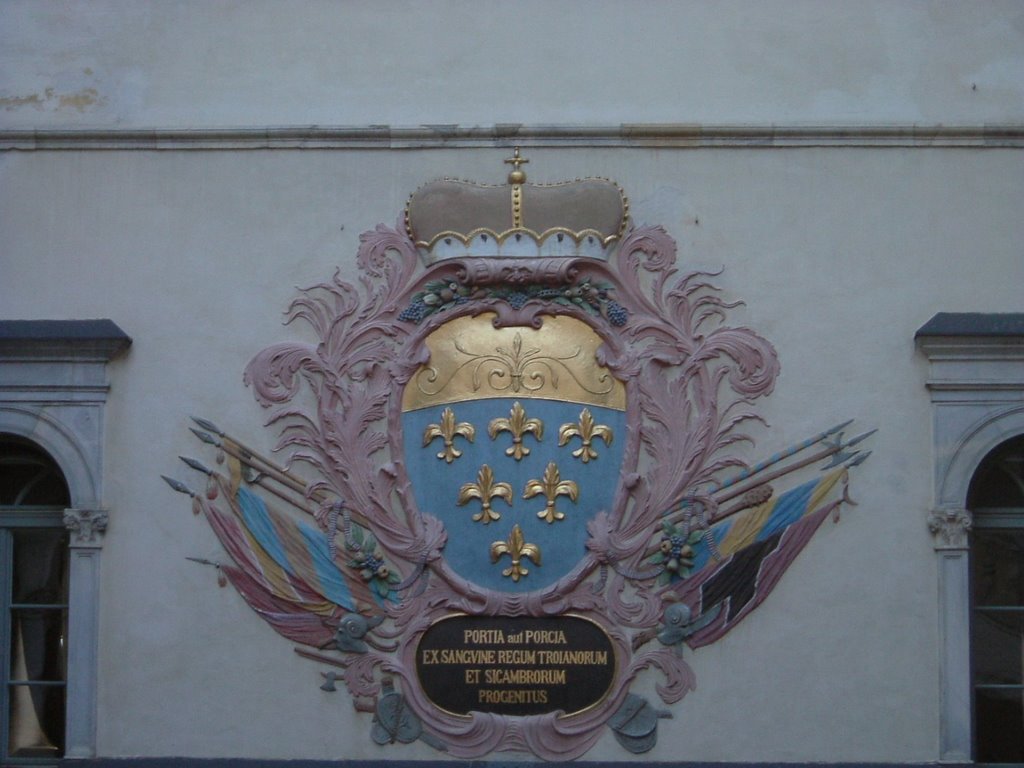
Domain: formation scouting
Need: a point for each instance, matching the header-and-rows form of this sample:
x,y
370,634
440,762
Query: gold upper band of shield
x,y
470,359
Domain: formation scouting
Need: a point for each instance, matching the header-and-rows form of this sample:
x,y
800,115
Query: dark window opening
x,y
996,500
33,603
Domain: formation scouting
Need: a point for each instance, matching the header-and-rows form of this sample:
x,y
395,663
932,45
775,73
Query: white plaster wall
x,y
192,63
840,254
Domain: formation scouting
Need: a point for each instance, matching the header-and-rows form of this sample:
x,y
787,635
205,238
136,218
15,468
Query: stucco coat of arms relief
x,y
526,489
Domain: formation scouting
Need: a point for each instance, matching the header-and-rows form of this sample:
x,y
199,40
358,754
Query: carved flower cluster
x,y
593,297
368,560
437,295
675,552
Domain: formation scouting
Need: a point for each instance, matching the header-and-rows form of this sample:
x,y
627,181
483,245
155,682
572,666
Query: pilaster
x,y
87,527
949,527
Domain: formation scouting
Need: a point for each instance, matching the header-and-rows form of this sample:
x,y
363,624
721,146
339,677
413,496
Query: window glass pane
x,y
40,556
37,644
28,476
999,480
997,562
33,613
37,641
37,721
998,641
999,719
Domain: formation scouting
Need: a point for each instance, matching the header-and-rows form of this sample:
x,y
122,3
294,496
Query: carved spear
x,y
253,460
758,491
780,456
836,449
297,503
265,467
179,486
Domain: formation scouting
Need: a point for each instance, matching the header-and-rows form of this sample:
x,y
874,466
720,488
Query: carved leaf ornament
x,y
336,530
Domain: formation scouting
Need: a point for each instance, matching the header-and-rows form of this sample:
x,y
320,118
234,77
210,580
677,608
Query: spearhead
x,y
859,438
859,459
837,427
838,458
178,486
206,437
209,426
198,466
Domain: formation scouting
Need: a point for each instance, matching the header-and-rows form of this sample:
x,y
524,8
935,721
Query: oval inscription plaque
x,y
515,665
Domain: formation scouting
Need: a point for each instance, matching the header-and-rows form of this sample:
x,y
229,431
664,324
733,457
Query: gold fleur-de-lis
x,y
517,548
517,361
551,486
519,426
587,431
448,430
485,489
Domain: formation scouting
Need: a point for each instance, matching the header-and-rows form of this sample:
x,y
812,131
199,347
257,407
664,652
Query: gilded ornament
x,y
518,425
517,548
485,489
517,175
471,359
448,430
551,486
584,320
588,431
515,363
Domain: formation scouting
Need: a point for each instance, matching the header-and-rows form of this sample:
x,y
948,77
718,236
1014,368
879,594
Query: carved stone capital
x,y
86,526
949,527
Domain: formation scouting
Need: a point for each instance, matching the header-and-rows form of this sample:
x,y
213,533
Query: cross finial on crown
x,y
517,175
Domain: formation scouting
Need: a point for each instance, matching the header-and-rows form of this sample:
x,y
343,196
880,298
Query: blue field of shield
x,y
437,484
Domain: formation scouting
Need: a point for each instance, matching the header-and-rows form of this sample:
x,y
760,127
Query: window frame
x,y
13,519
998,520
53,389
976,385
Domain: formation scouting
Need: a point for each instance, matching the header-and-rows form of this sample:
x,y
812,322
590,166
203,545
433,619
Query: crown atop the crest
x,y
452,218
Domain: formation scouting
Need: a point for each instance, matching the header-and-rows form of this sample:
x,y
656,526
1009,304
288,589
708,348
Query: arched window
x,y
33,602
976,386
53,391
996,501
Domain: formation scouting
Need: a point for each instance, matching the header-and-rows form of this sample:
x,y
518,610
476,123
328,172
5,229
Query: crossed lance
x,y
751,485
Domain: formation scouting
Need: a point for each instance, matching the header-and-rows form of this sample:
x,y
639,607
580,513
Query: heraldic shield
x,y
512,481
509,438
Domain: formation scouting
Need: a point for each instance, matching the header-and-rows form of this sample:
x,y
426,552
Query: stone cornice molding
x,y
87,527
949,527
655,135
61,340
